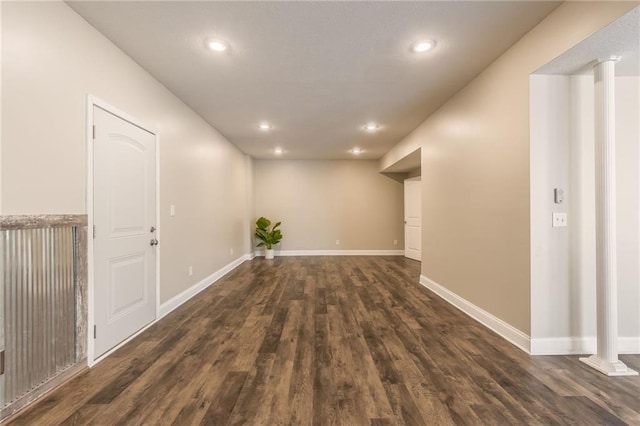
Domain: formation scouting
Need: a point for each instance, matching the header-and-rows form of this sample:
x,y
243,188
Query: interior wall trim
x,y
334,253
42,221
179,299
493,323
579,345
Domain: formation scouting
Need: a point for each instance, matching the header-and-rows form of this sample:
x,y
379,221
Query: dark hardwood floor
x,y
332,340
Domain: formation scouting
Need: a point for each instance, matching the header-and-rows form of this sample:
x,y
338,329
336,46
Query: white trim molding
x,y
563,345
579,345
334,253
181,298
629,345
508,332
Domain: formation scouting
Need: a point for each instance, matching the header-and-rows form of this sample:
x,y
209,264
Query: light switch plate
x,y
559,220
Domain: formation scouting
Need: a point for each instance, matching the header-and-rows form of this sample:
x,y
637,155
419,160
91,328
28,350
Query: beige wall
x,y
51,60
320,202
628,196
414,173
249,194
475,169
563,275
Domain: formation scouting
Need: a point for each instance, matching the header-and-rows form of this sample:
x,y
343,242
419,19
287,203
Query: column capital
x,y
604,59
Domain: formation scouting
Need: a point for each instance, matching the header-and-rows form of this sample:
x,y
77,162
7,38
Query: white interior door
x,y
412,219
124,218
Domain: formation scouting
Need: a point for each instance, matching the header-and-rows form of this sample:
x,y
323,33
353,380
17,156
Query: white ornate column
x,y
606,360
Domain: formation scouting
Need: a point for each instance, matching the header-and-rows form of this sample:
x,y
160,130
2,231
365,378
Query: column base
x,y
609,368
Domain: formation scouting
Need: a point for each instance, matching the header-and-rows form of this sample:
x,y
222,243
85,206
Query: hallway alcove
x,y
563,259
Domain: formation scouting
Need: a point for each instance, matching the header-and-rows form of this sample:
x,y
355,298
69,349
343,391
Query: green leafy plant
x,y
268,237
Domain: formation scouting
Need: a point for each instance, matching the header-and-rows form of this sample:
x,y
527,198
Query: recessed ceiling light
x,y
423,46
265,126
356,151
371,127
277,151
217,45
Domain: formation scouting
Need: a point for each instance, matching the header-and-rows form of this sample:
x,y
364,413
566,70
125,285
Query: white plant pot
x,y
268,253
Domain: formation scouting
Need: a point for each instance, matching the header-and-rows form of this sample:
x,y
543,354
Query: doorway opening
x,y
408,171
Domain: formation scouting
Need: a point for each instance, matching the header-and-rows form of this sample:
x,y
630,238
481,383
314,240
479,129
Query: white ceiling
x,y
318,71
620,38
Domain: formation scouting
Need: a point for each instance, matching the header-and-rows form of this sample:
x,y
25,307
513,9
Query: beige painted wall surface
x,y
563,260
249,196
51,60
320,202
475,169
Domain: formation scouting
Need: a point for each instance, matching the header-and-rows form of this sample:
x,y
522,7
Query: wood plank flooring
x,y
332,340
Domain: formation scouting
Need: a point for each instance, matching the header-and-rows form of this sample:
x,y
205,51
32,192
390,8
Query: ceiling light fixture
x,y
278,151
265,126
423,46
217,45
371,127
356,151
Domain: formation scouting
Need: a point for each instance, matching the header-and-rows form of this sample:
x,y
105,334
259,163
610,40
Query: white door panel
x,y
125,298
412,219
124,214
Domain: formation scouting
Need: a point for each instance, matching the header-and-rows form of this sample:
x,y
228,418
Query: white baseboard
x,y
629,345
579,345
334,253
563,346
510,333
179,299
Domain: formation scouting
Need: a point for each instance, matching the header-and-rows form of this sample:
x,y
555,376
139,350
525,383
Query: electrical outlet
x,y
190,270
231,251
559,220
337,242
395,242
172,210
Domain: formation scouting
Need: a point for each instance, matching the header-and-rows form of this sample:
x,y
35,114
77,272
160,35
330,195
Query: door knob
x,y
153,229
153,242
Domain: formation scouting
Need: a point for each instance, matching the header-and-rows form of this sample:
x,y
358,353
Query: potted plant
x,y
268,237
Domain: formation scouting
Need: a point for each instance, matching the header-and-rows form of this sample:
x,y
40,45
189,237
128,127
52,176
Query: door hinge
x,y
94,131
95,332
94,231
1,362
